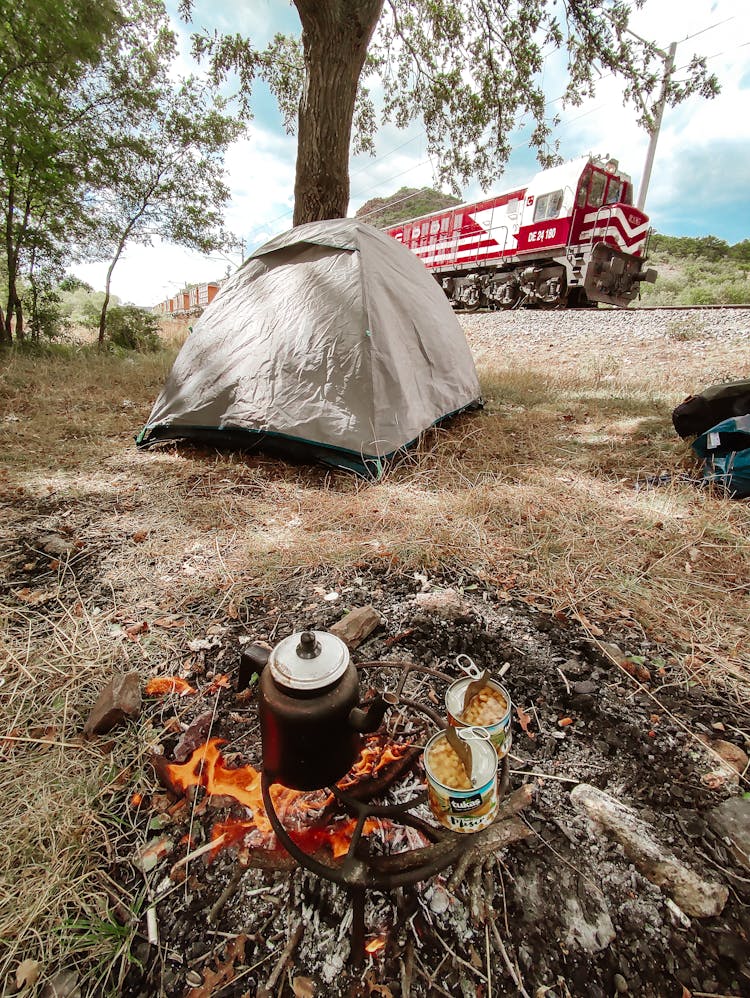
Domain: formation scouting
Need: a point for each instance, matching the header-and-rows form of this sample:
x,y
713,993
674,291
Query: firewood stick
x,y
294,938
407,970
152,925
489,886
231,887
460,959
496,836
487,958
432,984
517,801
515,975
475,893
200,851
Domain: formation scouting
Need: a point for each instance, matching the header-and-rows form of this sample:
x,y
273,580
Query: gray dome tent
x,y
332,341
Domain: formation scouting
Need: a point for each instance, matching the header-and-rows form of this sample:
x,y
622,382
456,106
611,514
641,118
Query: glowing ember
x,y
136,800
161,685
375,945
207,768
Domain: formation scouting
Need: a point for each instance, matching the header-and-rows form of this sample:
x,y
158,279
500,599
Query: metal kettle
x,y
311,723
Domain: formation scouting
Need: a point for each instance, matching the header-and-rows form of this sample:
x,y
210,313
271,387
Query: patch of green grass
x,y
687,281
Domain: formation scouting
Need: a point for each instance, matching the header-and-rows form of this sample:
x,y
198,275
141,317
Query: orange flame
x,y
160,685
207,768
375,945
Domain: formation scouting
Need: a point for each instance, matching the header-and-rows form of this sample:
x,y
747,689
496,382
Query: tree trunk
x,y
105,303
19,320
10,258
335,37
14,304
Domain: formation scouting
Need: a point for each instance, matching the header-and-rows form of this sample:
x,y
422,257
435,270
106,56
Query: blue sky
x,y
700,182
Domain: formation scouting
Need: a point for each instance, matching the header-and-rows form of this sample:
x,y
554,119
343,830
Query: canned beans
x,y
487,707
446,766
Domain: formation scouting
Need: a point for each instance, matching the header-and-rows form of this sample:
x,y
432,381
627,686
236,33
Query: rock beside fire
x,y
731,820
120,698
357,625
55,545
445,603
695,896
732,754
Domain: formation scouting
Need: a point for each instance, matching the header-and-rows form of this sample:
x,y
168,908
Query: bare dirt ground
x,y
539,512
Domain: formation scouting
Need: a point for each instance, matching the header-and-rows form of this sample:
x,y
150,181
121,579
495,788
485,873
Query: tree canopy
x,y
467,69
99,145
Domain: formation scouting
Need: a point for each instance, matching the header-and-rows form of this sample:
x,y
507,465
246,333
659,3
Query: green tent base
x,y
370,466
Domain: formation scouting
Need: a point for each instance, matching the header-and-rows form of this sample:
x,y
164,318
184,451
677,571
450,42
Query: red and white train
x,y
572,237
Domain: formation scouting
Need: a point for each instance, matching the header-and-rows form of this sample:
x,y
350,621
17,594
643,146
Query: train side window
x,y
458,219
596,195
434,227
627,196
548,206
445,223
415,234
512,208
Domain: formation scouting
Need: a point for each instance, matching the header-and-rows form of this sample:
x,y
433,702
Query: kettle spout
x,y
368,720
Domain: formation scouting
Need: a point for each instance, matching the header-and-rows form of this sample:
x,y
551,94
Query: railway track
x,y
608,308
686,308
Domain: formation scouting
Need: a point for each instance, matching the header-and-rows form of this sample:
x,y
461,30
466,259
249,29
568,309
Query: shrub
x,y
702,295
133,328
41,304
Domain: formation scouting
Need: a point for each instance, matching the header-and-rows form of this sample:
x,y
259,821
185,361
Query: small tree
x,y
467,68
98,145
164,178
46,48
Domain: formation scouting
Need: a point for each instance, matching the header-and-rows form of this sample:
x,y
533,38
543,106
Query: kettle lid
x,y
308,661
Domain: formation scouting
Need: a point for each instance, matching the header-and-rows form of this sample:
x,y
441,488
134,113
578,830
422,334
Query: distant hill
x,y
408,202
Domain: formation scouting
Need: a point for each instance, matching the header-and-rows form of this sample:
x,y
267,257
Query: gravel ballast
x,y
689,347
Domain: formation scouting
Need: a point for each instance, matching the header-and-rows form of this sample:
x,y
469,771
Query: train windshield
x,y
596,191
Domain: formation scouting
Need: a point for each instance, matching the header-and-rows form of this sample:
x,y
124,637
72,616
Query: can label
x,y
499,731
464,810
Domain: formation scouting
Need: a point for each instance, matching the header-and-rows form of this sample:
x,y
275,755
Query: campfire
x,y
307,815
349,882
371,830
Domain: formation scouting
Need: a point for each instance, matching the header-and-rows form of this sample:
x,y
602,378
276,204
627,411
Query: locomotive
x,y
572,237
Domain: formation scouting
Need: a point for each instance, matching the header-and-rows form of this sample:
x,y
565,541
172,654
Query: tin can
x,y
465,810
499,731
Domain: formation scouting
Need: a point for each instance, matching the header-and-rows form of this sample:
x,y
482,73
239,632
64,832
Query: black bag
x,y
699,413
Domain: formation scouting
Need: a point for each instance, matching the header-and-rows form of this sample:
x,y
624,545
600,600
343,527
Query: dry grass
x,y
536,495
